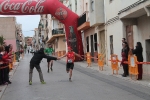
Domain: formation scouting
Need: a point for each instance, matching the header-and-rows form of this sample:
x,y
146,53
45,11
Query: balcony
x,y
96,13
83,24
58,31
135,10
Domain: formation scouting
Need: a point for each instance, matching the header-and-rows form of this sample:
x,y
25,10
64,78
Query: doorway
x,y
92,47
111,45
102,44
147,50
129,35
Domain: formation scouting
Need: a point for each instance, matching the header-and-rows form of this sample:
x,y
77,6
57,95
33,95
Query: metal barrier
x,y
132,63
114,63
133,66
100,62
88,55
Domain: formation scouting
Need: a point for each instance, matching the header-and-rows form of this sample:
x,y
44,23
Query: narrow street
x,y
86,85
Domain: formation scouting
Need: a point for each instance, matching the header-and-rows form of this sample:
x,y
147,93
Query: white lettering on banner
x,y
7,7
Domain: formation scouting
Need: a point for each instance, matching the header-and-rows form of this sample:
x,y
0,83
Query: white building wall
x,y
112,8
96,11
116,31
125,3
144,32
115,6
79,5
141,31
117,28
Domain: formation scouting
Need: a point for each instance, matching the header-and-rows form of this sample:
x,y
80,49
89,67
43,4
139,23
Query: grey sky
x,y
29,22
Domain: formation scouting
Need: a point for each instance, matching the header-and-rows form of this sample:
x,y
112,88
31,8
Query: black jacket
x,y
38,56
138,52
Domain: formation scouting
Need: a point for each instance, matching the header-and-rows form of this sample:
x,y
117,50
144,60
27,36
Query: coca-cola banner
x,y
53,7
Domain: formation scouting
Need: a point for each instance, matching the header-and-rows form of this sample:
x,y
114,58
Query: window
x,y
70,7
87,44
111,45
56,42
95,41
92,5
110,1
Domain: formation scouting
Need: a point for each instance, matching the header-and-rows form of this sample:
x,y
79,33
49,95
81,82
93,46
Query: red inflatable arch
x,y
53,7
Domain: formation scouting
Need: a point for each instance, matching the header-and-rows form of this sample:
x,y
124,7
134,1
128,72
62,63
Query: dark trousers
x,y
1,76
125,69
140,71
38,69
6,74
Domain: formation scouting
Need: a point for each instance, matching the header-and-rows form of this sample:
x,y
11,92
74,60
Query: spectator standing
x,y
138,52
124,54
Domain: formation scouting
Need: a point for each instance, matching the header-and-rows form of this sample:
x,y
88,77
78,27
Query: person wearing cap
x,y
70,61
35,62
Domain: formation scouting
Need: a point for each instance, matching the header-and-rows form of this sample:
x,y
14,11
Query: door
x,y
102,44
129,35
148,50
87,44
92,47
111,45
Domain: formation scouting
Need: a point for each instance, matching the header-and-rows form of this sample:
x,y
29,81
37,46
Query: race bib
x,y
70,61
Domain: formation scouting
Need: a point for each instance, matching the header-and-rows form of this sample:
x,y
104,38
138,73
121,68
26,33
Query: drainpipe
x,y
105,15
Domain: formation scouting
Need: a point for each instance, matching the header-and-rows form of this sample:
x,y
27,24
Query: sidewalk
x,y
3,87
108,71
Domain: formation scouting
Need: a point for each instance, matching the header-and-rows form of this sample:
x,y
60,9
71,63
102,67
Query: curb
x,y
147,84
3,88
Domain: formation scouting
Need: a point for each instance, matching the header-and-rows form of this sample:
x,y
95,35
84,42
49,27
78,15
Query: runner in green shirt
x,y
49,51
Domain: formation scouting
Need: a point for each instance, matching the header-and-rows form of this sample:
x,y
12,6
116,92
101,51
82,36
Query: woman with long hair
x,y
138,52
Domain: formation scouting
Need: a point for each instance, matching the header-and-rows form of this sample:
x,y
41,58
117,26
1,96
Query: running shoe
x,y
43,82
30,82
70,80
51,69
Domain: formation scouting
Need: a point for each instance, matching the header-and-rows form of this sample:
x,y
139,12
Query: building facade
x,y
128,20
57,36
28,41
35,40
20,40
8,31
91,24
55,32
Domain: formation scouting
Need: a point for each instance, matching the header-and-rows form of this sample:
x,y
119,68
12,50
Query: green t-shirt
x,y
49,51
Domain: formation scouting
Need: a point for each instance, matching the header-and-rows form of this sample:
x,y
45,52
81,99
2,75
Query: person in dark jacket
x,y
124,54
35,62
138,52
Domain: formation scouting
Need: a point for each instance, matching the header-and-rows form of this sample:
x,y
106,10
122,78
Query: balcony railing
x,y
58,31
83,21
83,18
